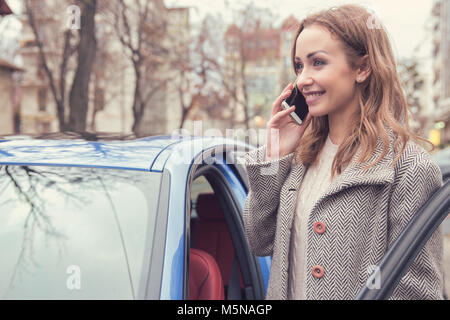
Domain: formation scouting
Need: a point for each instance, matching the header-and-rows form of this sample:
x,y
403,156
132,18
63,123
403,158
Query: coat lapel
x,y
354,174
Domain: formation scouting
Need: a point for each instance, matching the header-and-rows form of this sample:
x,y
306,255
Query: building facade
x,y
163,115
268,67
9,97
37,106
9,75
111,87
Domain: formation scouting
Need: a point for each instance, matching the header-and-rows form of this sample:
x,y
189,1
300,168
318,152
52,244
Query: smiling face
x,y
323,74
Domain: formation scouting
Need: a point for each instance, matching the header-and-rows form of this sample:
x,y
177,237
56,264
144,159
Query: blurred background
x,y
148,67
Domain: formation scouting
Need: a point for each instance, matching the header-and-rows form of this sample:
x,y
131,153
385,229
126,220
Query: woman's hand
x,y
289,131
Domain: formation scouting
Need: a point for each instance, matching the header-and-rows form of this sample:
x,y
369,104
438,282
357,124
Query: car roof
x,y
146,154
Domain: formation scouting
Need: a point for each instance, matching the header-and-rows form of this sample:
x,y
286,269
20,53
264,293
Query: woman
x,y
349,179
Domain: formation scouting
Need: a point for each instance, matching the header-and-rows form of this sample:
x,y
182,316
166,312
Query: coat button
x,y
318,272
319,227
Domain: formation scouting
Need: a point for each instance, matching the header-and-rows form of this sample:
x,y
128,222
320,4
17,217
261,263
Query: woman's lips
x,y
312,98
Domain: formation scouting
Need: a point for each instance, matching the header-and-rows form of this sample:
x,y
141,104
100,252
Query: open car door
x,y
407,246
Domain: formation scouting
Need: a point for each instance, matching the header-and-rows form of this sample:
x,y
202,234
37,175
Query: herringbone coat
x,y
363,211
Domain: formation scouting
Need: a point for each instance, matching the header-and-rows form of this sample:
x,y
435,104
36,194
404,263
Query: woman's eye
x,y
319,61
299,66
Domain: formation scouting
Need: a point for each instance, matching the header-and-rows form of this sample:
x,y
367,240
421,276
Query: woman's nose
x,y
303,81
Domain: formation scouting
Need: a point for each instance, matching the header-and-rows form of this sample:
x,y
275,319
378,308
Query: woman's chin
x,y
317,112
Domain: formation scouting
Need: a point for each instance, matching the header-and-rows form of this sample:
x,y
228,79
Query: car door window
x,y
199,186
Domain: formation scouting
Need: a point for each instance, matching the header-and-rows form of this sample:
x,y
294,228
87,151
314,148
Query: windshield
x,y
75,233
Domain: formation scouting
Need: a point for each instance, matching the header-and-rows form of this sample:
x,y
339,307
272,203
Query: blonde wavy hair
x,y
381,99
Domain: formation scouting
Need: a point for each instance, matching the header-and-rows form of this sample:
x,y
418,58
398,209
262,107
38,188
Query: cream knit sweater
x,y
314,184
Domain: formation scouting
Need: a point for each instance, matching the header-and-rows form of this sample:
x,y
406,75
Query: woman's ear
x,y
364,69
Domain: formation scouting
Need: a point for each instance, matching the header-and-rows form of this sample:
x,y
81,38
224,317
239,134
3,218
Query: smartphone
x,y
301,108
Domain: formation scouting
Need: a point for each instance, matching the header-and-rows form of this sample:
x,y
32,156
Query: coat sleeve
x,y
265,181
424,278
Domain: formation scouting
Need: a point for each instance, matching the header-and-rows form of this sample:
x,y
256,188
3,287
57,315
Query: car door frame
x,y
222,178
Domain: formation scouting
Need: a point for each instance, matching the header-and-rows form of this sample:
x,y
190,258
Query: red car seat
x,y
205,280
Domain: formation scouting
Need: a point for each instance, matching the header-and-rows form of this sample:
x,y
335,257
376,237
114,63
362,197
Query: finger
x,y
284,94
277,104
282,114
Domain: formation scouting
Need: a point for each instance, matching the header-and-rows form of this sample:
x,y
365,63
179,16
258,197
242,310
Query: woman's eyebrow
x,y
311,54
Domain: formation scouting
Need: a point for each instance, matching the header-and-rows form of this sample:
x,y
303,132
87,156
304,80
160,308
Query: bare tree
x,y
79,94
203,81
184,89
245,40
195,73
57,76
58,89
229,54
141,28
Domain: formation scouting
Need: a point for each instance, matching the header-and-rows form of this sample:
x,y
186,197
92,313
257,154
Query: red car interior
x,y
210,234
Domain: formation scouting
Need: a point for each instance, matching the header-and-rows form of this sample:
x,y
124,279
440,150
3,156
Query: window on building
x,y
45,127
99,99
29,43
42,126
40,71
42,99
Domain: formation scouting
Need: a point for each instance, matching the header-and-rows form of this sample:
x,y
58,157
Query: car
x,y
133,219
151,218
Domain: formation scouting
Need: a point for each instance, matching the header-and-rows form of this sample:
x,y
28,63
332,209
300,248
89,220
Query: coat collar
x,y
354,174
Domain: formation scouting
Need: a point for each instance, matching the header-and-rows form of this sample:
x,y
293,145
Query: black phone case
x,y
296,98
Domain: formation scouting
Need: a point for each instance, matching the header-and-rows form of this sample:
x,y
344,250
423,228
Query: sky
x,y
406,21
